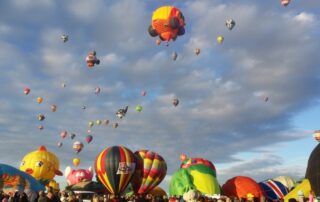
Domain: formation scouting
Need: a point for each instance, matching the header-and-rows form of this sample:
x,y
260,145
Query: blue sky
x,y
272,51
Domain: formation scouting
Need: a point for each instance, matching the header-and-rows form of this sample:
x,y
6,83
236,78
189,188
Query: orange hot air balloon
x,y
53,108
151,169
114,167
39,100
241,187
167,23
158,42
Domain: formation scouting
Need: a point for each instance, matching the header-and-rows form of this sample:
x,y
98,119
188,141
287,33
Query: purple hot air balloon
x,y
89,138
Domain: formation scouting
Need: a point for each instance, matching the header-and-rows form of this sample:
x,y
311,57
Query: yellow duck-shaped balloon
x,y
41,164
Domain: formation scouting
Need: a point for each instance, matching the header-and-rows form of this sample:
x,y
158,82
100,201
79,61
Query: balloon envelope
x,y
13,179
114,167
77,146
76,161
273,190
89,138
149,173
241,186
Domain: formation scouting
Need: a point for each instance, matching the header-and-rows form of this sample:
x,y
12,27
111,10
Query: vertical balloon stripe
x,y
100,169
123,159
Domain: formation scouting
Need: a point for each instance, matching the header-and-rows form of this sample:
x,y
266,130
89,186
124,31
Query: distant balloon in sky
x,y
63,134
266,98
138,108
59,144
40,127
77,146
143,93
63,85
220,39
41,117
183,157
83,107
72,136
175,102
39,100
90,124
122,112
230,23
26,91
91,59
98,122
64,38
97,90
53,108
197,51
76,161
285,2
115,125
89,138
174,56
158,42
105,122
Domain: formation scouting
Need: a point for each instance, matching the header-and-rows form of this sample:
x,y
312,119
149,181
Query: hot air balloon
x,y
150,173
41,117
316,135
39,100
175,102
174,56
105,122
266,98
285,2
220,39
63,134
26,91
143,93
138,108
241,186
273,190
114,167
122,112
53,108
76,161
88,138
40,127
98,122
41,164
97,90
63,85
197,51
91,59
287,181
59,144
198,161
72,136
230,23
83,107
77,146
183,157
64,38
90,124
158,42
115,125
167,22
13,179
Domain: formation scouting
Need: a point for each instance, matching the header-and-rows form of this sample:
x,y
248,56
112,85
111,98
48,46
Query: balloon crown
x,y
42,148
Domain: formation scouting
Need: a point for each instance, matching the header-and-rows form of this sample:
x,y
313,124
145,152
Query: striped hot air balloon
x,y
273,190
150,171
114,167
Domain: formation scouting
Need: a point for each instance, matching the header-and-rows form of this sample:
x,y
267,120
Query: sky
x,y
272,51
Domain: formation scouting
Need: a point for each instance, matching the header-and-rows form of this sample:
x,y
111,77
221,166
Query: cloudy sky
x,y
273,51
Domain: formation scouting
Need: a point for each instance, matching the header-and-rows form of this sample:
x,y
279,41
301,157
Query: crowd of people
x,y
70,196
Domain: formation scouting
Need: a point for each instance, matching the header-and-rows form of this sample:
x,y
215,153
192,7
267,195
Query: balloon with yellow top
x,y
220,39
76,161
41,164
